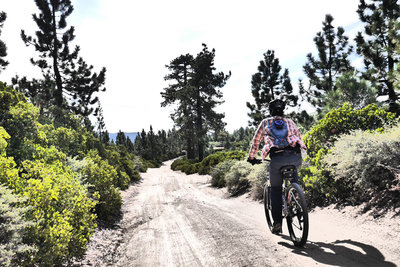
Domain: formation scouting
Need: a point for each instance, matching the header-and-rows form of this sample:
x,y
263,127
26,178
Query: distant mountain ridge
x,y
131,135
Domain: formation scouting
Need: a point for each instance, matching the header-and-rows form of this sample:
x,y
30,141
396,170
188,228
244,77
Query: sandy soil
x,y
171,219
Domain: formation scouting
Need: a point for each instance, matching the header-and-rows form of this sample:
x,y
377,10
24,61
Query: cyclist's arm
x,y
298,135
257,140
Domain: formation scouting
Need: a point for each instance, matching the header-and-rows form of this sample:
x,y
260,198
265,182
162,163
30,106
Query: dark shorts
x,y
282,159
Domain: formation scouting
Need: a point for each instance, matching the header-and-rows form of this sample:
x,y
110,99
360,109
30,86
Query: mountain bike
x,y
294,206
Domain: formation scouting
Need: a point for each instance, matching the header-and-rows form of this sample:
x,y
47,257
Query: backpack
x,y
279,132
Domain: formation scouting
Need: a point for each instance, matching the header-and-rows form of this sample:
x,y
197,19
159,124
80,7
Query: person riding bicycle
x,y
283,143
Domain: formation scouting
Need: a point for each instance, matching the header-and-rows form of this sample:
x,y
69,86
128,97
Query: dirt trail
x,y
171,219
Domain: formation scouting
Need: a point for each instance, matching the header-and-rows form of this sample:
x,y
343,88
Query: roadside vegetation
x,y
352,157
61,175
352,135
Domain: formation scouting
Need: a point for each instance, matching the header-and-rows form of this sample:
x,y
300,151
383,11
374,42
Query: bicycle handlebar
x,y
256,161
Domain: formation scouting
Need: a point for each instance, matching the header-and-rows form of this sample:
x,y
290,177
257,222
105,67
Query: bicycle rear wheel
x,y
297,219
267,205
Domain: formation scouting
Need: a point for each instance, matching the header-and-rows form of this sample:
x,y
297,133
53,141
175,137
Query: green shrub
x,y
62,221
212,160
182,164
237,181
219,171
102,178
62,215
13,226
257,178
125,165
8,98
366,161
191,168
319,185
140,164
343,120
153,163
65,139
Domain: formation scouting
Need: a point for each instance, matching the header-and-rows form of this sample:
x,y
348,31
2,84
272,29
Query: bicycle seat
x,y
288,171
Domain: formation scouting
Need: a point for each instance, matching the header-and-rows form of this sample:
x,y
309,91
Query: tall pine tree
x,y
377,45
196,93
207,96
180,93
268,84
3,47
75,81
333,60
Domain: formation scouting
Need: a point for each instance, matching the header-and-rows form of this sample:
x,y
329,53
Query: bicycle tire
x,y
267,205
297,219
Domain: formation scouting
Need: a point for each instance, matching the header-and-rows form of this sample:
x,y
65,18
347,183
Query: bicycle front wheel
x,y
267,205
297,219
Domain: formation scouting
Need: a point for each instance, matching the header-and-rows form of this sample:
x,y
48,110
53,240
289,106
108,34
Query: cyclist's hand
x,y
254,161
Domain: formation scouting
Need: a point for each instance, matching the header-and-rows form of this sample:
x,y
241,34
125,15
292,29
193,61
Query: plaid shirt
x,y
293,137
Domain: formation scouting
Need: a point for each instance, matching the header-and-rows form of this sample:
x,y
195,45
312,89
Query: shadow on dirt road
x,y
341,253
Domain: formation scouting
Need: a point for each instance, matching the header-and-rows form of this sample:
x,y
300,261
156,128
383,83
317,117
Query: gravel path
x,y
172,219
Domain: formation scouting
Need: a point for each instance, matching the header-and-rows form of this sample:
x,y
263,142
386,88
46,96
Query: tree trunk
x,y
199,127
59,89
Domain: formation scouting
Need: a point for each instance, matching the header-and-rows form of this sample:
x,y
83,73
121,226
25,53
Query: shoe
x,y
277,228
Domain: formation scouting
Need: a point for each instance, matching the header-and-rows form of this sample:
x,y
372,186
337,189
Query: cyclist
x,y
283,150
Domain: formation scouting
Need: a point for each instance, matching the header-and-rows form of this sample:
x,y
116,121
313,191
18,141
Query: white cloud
x,y
134,40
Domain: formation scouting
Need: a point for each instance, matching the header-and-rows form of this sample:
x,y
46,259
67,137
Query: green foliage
x,y
344,120
61,219
67,78
219,171
3,47
13,226
67,140
8,98
377,45
212,160
62,214
140,164
333,60
195,90
352,89
123,163
236,178
188,166
239,140
257,177
267,84
24,116
366,161
318,181
103,181
156,148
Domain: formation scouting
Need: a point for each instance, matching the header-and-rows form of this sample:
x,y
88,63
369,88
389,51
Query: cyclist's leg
x,y
296,160
275,177
278,161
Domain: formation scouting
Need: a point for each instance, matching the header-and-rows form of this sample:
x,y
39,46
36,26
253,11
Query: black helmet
x,y
276,107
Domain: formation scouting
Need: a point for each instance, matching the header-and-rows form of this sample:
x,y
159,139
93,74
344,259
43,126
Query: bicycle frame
x,y
294,207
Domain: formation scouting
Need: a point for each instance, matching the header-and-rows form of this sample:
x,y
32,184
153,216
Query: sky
x,y
134,40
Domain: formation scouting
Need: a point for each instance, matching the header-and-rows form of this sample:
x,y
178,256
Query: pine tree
x,y
207,96
333,60
129,145
180,92
268,84
196,93
3,47
120,139
101,126
75,81
377,45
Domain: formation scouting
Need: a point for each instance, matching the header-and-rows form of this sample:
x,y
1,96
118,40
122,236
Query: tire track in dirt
x,y
172,219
